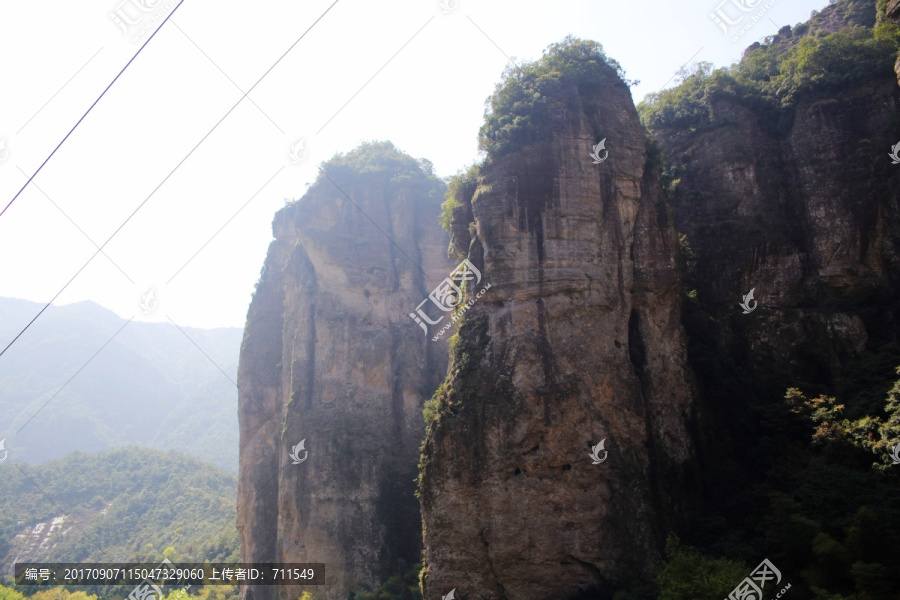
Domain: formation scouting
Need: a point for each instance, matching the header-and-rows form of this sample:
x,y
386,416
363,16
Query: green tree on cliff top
x,y
518,110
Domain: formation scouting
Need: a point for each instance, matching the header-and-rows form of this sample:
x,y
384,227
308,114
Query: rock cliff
x,y
782,184
330,357
604,388
577,340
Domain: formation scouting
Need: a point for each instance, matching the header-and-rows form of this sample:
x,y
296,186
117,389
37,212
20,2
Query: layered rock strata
x,y
577,340
802,206
331,358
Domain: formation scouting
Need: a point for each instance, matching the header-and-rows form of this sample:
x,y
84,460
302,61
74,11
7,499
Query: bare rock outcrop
x,y
330,357
577,340
784,186
801,205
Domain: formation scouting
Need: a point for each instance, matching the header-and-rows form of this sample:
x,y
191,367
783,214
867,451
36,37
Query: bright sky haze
x,y
410,71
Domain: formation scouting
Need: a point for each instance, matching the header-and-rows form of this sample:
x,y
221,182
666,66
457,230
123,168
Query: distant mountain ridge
x,y
149,385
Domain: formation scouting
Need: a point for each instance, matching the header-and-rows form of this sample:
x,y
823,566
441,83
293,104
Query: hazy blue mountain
x,y
148,385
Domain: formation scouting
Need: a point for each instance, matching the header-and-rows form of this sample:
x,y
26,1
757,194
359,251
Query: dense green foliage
x,y
464,380
775,75
7,593
460,185
875,432
519,109
210,592
124,505
403,585
826,514
380,166
802,478
384,162
55,593
687,574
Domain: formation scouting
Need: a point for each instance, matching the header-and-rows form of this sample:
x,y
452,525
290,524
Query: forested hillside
x,y
125,505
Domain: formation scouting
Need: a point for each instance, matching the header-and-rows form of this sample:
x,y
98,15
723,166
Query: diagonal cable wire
x,y
182,330
60,509
170,319
681,69
74,375
375,75
345,106
490,39
233,382
38,188
188,155
103,93
58,91
219,231
190,339
225,225
176,325
226,75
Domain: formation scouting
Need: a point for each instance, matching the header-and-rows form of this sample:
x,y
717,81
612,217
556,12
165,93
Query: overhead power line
x,y
181,162
90,108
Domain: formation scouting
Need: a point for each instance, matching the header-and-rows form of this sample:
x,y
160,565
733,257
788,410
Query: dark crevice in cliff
x,y
350,363
603,590
311,360
396,391
393,247
497,576
394,506
637,352
663,491
536,378
783,184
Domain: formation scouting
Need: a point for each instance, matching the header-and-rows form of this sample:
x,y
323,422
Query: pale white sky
x,y
428,100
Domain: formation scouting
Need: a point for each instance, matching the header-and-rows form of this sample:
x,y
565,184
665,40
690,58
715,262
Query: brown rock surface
x,y
577,340
806,213
330,356
788,191
893,9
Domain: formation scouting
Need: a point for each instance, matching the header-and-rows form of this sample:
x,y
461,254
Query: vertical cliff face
x,y
789,191
781,182
577,340
330,356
